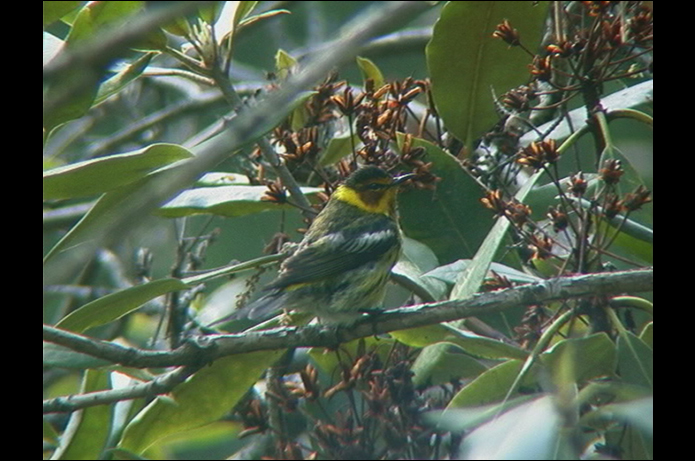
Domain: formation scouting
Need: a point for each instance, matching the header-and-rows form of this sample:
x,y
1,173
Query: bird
x,y
340,269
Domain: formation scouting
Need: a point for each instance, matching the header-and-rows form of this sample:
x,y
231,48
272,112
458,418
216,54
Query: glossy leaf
x,y
531,430
590,357
440,364
227,201
449,273
115,305
370,71
88,429
203,398
635,360
52,11
489,387
102,174
471,277
466,63
473,344
634,96
92,19
119,81
461,223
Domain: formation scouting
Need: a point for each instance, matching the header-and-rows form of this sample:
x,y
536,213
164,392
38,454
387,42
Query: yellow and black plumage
x,y
341,267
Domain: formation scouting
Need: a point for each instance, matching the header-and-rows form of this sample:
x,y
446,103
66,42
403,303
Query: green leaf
x,y
589,357
449,273
531,430
635,360
466,63
98,216
228,19
52,11
440,364
371,71
259,17
647,334
230,201
634,96
475,345
338,147
87,431
119,81
75,107
471,277
204,398
461,223
95,16
639,413
106,173
285,64
489,387
243,11
415,260
115,305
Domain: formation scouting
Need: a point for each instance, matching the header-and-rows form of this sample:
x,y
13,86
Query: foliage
x,y
528,131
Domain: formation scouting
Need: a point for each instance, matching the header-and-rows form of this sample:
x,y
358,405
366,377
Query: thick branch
x,y
198,351
203,349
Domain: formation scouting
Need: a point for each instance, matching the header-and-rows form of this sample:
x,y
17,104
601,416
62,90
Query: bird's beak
x,y
398,180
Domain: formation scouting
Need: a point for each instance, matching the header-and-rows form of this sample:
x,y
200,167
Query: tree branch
x,y
202,349
196,352
160,385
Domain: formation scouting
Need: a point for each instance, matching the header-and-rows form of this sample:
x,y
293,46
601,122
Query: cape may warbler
x,y
341,267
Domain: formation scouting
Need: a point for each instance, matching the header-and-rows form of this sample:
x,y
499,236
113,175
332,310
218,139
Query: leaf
x,y
466,63
95,16
250,20
75,107
449,272
475,345
119,81
243,11
634,96
230,201
371,71
115,305
590,357
461,223
469,279
228,19
285,64
52,11
635,360
531,430
489,387
415,260
216,179
106,173
87,431
52,45
338,147
440,364
205,397
98,217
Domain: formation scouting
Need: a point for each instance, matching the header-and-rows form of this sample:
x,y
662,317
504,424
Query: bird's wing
x,y
334,254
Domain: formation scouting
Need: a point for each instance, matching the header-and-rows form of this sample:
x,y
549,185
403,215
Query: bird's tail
x,y
261,309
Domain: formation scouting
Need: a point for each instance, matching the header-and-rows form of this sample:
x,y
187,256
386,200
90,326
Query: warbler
x,y
340,268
